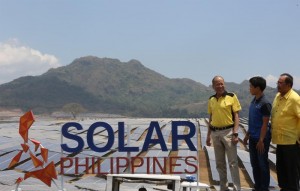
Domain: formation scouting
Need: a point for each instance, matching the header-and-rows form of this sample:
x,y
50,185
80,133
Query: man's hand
x,y
235,139
208,141
245,141
260,147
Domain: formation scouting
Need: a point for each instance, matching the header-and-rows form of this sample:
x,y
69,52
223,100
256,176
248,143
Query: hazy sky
x,y
194,39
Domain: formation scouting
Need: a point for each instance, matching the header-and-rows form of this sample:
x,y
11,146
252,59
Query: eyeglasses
x,y
280,83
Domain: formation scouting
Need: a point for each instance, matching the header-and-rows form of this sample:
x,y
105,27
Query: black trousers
x,y
288,167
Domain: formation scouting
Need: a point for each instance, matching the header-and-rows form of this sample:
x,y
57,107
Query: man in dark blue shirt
x,y
258,134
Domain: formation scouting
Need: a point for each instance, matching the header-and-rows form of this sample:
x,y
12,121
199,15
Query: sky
x,y
195,39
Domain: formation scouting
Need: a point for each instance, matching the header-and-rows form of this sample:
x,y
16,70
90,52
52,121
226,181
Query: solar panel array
x,y
48,132
244,157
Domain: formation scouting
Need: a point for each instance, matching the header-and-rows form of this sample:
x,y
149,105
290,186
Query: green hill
x,y
109,86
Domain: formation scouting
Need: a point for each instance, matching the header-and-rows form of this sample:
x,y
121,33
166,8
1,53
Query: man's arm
x,y
235,137
260,145
236,122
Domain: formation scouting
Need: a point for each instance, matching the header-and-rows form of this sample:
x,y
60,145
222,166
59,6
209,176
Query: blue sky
x,y
194,39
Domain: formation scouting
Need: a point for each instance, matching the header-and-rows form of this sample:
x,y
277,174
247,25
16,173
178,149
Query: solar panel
x,y
8,177
213,168
137,133
91,183
152,153
272,158
6,159
245,158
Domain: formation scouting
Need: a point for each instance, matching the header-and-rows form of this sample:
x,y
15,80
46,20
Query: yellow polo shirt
x,y
221,109
285,118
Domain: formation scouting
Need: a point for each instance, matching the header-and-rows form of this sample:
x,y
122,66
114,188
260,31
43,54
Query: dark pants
x,y
260,164
287,166
299,161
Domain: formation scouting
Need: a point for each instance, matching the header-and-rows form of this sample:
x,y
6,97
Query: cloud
x,y
272,80
17,60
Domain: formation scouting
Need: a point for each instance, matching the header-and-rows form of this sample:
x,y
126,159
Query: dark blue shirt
x,y
258,109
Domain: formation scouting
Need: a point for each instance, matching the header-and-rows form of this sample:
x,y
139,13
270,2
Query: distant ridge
x,y
110,86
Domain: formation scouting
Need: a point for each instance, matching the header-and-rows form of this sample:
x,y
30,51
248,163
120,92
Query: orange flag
x,y
36,162
44,153
36,144
50,170
16,159
39,174
25,147
25,123
19,180
45,175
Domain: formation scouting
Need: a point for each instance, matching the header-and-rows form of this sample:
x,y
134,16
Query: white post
x,y
61,156
128,153
198,162
17,189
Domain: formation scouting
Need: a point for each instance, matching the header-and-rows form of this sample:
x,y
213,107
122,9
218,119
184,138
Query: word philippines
x,y
116,165
103,165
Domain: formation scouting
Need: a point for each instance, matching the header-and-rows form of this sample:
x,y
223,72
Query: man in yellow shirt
x,y
223,108
284,119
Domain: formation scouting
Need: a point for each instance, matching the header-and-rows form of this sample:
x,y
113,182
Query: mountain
x,y
109,86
